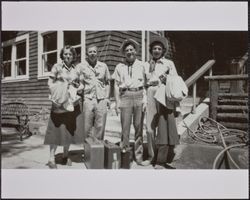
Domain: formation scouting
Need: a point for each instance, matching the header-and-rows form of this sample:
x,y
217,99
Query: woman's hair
x,y
72,50
164,50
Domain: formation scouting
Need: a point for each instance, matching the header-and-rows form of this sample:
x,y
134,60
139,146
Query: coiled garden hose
x,y
211,131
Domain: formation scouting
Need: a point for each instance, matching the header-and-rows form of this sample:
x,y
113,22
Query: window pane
x,y
72,38
6,69
7,53
49,60
50,42
78,53
21,50
21,67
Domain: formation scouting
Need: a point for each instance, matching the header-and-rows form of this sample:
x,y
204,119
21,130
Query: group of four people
x,y
73,119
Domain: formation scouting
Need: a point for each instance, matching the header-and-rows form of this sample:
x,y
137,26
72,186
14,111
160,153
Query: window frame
x,y
7,61
60,41
13,43
41,73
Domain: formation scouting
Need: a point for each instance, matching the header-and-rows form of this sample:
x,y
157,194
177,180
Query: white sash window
x,y
50,44
15,66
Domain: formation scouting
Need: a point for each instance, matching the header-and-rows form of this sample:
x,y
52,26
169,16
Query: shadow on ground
x,y
75,155
12,146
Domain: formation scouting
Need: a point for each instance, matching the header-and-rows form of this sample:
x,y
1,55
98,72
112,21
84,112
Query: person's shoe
x,y
145,163
159,167
66,161
52,165
169,166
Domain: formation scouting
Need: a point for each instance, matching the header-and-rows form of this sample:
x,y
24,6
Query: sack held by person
x,y
176,89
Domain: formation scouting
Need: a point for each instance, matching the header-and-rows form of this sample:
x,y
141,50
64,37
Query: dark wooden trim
x,y
227,77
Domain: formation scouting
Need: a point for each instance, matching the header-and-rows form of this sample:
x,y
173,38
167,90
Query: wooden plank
x,y
233,101
27,98
115,59
204,68
38,104
214,88
115,42
234,125
33,55
33,63
13,87
24,82
232,116
30,83
227,77
127,34
25,91
36,99
114,50
233,95
234,108
95,34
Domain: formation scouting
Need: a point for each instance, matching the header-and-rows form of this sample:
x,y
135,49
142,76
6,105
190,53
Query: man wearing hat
x,y
160,144
130,97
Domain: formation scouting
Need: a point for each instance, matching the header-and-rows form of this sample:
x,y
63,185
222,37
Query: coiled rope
x,y
210,131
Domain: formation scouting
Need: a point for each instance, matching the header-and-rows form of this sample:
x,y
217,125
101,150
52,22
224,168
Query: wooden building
x,y
27,56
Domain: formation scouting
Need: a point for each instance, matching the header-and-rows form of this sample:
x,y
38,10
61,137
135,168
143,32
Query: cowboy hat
x,y
128,41
158,39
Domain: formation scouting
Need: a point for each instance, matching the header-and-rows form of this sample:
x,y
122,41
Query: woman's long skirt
x,y
65,128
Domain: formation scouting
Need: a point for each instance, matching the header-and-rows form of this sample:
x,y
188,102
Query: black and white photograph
x,y
105,101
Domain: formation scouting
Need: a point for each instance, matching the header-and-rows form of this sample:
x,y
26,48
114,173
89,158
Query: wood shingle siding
x,y
35,92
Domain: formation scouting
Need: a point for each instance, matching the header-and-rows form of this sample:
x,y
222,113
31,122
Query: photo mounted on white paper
x,y
124,100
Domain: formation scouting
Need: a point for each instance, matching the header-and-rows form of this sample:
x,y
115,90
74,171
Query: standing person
x,y
65,123
96,80
130,96
160,144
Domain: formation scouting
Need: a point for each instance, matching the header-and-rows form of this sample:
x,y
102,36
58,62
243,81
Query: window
x,y
73,38
16,59
20,61
7,61
49,55
50,45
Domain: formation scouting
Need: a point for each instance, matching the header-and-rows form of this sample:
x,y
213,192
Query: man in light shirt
x,y
95,77
130,97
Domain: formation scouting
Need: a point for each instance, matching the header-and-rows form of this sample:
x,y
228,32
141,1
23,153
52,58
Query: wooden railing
x,y
214,89
191,81
236,86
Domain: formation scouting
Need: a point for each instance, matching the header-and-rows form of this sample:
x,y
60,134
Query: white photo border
x,y
218,16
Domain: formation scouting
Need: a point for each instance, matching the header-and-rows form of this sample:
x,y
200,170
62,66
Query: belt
x,y
130,89
154,83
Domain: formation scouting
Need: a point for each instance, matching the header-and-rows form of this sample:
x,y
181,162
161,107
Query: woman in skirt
x,y
159,117
65,125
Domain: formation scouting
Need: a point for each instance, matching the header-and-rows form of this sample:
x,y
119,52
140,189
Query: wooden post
x,y
210,72
214,89
147,45
83,45
143,46
237,67
194,99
